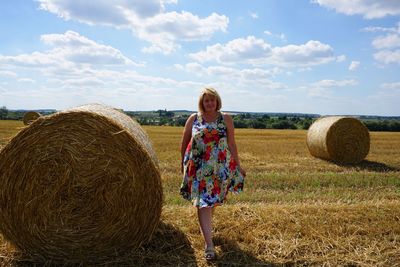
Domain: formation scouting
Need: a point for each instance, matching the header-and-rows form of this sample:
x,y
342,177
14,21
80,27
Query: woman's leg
x,y
205,220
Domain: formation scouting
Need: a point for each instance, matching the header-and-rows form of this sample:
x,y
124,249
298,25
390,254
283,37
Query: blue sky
x,y
320,56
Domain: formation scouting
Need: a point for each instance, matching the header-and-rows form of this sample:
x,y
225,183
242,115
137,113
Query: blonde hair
x,y
211,92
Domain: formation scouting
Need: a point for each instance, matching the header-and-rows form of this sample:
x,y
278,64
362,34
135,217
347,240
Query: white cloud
x,y
388,56
87,83
79,49
7,73
334,83
148,20
387,45
258,52
165,29
82,82
102,12
391,86
354,65
303,69
308,54
255,78
220,71
387,42
26,80
79,70
250,50
70,49
29,60
341,58
257,73
229,73
380,29
323,88
195,68
280,36
253,15
370,9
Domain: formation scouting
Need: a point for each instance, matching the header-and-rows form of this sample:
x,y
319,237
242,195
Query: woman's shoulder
x,y
192,116
227,116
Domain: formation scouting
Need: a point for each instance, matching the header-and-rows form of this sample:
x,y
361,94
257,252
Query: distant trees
x,y
246,120
3,113
165,113
283,124
240,120
264,121
306,123
385,125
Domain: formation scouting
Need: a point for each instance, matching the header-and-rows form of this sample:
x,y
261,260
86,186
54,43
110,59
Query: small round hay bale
x,y
82,185
339,139
30,116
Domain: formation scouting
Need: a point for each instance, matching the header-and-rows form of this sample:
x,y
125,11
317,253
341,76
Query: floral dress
x,y
209,170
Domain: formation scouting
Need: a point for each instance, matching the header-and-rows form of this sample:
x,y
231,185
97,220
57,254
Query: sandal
x,y
209,254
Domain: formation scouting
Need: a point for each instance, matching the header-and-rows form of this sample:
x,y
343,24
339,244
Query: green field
x,y
295,209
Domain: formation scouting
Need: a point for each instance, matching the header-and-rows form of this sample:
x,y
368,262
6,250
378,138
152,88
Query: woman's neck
x,y
210,116
210,113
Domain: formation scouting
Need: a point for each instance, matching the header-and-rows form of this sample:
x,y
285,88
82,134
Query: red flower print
x,y
215,135
210,136
207,154
216,190
238,186
189,146
202,185
222,155
191,168
232,164
190,186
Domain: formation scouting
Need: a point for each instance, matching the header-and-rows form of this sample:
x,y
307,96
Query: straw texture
x,y
82,185
338,138
30,116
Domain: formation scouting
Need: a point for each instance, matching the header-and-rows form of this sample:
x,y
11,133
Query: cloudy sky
x,y
308,56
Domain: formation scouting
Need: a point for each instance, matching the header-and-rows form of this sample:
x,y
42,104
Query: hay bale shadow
x,y
369,165
232,255
168,247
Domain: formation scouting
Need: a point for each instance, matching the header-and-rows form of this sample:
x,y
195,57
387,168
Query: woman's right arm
x,y
187,134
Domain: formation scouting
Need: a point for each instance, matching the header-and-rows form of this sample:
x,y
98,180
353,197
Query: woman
x,y
209,162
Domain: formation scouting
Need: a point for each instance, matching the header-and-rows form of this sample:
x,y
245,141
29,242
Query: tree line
x,y
242,120
262,121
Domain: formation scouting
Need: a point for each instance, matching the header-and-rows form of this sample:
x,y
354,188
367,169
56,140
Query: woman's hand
x,y
242,171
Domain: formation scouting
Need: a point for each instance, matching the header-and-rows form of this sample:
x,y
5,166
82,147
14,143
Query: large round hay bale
x,y
82,185
338,138
30,116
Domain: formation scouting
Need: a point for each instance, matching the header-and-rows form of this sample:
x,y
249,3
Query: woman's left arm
x,y
230,132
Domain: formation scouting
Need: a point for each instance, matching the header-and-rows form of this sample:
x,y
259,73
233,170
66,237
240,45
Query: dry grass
x,y
296,210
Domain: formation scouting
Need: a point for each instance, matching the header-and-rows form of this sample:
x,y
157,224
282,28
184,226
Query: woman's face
x,y
209,103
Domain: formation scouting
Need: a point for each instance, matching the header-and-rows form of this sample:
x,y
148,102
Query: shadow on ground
x,y
370,166
232,255
168,247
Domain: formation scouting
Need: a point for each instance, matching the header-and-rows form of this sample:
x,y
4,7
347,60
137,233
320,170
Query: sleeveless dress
x,y
209,170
